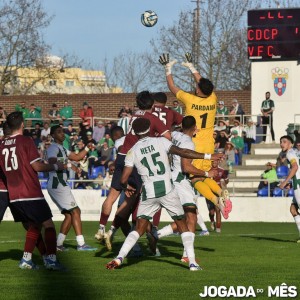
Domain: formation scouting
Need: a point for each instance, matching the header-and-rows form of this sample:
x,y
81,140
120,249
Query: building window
x,y
52,82
69,83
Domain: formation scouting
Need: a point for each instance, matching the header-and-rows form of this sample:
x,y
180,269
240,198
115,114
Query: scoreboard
x,y
274,34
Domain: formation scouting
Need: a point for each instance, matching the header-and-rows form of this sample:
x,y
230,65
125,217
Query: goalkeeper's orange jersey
x,y
204,111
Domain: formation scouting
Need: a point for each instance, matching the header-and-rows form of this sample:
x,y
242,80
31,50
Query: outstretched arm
x,y
189,64
164,59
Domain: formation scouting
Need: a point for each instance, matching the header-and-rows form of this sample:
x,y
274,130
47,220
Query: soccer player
x,y
20,162
61,193
150,156
221,177
202,106
144,102
293,157
181,167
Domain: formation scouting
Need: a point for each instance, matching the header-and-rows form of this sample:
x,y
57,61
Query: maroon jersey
x,y
222,174
17,153
3,187
167,115
156,127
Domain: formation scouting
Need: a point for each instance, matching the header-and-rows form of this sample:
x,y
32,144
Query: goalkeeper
x,y
202,106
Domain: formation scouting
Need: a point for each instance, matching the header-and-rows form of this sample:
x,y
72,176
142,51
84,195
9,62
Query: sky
x,y
97,29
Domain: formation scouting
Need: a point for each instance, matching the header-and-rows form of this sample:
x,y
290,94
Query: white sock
x,y
165,231
297,220
184,253
51,257
130,241
80,240
102,227
188,243
200,222
60,239
27,256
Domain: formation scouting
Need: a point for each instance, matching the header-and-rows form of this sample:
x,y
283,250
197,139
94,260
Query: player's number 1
x,y
10,154
204,119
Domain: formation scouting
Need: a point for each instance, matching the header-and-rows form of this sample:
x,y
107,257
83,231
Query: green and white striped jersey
x,y
61,153
180,140
293,155
150,157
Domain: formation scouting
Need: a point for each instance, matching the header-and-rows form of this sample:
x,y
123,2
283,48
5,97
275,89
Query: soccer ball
x,y
149,18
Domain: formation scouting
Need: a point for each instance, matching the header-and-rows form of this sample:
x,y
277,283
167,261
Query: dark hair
x,y
206,86
160,97
144,100
6,129
288,138
54,128
115,130
14,120
188,122
140,125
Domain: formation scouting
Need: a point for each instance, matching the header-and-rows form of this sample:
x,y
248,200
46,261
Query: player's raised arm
x,y
189,64
187,167
164,59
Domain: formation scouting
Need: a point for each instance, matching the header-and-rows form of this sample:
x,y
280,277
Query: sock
x,y
205,191
165,231
50,240
297,220
184,253
213,186
32,236
156,218
27,256
51,257
200,222
188,243
41,245
80,240
136,247
103,219
128,244
60,239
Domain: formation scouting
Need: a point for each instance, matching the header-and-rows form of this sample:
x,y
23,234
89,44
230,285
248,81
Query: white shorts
x,y
62,196
170,202
185,192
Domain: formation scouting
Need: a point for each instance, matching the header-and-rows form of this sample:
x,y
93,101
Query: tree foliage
x,y
21,40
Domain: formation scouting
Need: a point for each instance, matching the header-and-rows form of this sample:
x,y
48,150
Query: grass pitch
x,y
244,254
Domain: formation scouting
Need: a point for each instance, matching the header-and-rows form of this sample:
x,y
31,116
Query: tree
x,y
21,42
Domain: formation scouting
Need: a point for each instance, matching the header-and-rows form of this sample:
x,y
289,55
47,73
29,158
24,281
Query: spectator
x,y
69,130
270,175
84,128
124,122
135,109
221,141
66,113
37,130
221,126
237,127
250,137
177,107
25,111
105,154
35,112
298,145
267,108
229,156
36,139
108,127
90,139
106,139
73,138
125,109
281,160
3,116
86,113
54,115
99,131
222,110
238,143
236,110
45,131
82,172
297,137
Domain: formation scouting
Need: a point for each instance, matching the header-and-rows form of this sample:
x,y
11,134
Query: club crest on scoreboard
x,y
280,77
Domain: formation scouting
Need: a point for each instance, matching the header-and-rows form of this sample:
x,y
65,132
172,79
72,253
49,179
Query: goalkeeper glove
x,y
188,63
165,61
